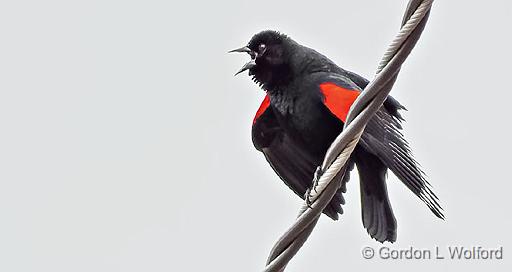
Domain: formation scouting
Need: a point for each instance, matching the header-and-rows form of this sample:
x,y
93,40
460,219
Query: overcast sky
x,y
125,140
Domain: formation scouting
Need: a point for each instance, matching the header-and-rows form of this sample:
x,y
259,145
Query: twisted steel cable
x,y
365,106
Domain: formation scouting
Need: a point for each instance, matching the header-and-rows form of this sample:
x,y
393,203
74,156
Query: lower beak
x,y
247,66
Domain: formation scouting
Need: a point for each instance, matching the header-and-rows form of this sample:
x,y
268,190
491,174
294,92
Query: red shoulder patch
x,y
338,99
263,107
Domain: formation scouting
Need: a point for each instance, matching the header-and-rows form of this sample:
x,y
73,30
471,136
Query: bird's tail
x,y
378,218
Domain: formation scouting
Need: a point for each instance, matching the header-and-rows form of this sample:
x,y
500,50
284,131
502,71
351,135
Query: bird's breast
x,y
283,104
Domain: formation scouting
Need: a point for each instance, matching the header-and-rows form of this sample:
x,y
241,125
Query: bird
x,y
305,108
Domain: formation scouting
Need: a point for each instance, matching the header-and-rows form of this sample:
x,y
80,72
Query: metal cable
x,y
405,31
365,106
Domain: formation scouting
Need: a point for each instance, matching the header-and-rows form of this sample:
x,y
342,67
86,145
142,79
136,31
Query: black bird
x,y
308,98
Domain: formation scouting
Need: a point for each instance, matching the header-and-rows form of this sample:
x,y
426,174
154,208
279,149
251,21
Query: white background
x,y
125,139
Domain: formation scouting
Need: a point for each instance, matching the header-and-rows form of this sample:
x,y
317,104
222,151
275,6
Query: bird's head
x,y
270,53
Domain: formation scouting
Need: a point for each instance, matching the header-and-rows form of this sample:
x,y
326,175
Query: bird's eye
x,y
261,48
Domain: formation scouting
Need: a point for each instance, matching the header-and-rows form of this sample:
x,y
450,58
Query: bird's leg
x,y
307,197
316,178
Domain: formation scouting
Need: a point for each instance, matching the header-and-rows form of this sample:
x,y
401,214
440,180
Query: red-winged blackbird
x,y
308,98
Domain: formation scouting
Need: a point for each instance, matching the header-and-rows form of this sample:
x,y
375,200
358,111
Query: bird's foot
x,y
316,177
307,197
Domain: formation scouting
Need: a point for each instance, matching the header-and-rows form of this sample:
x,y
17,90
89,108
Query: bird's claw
x,y
307,197
316,178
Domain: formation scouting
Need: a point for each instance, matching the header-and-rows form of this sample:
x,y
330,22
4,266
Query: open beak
x,y
248,65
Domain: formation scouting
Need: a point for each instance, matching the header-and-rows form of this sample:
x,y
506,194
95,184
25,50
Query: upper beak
x,y
248,65
244,49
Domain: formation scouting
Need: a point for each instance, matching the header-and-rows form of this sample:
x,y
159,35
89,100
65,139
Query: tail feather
x,y
377,214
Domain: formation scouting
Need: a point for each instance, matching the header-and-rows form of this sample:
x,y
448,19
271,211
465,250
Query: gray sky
x,y
125,139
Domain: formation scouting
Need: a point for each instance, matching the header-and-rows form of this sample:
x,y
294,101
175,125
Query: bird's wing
x,y
382,136
338,96
292,163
